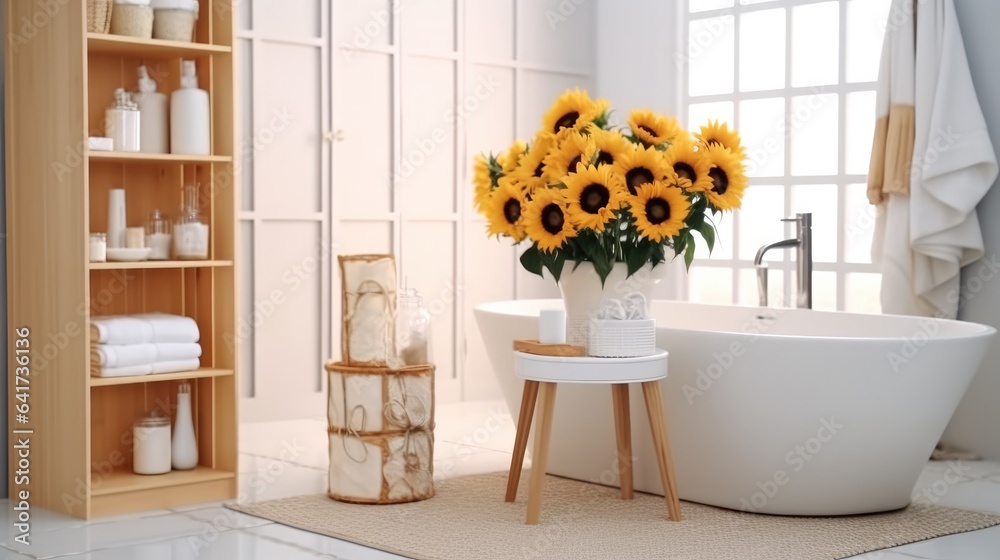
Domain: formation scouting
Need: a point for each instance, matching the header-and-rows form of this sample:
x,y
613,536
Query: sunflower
x,y
572,148
728,177
689,163
513,156
573,109
659,211
545,220
610,144
641,165
482,182
594,193
530,164
504,211
718,134
653,128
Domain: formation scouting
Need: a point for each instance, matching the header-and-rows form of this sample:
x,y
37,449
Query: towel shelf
x,y
157,377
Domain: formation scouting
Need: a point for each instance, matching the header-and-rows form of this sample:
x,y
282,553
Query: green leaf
x,y
688,255
707,231
638,257
602,263
531,260
554,263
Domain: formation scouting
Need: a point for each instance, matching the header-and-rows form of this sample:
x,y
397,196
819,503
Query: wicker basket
x,y
622,339
99,15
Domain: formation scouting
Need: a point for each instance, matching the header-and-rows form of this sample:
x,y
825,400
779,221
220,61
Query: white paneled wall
x,y
361,119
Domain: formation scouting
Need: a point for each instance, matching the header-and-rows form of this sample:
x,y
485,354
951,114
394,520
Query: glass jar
x,y
98,247
191,230
121,122
151,444
413,329
158,236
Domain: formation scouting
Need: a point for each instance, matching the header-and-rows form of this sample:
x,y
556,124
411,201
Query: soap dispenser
x,y
153,136
189,118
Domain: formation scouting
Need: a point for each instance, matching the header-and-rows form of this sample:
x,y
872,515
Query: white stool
x,y
542,373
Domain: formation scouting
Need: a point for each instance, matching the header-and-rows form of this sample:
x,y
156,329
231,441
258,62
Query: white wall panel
x,y
357,238
429,25
556,33
489,27
288,130
425,171
294,18
486,109
359,24
535,92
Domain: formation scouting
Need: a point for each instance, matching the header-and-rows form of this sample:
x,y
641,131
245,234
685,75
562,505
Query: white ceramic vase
x,y
583,295
184,446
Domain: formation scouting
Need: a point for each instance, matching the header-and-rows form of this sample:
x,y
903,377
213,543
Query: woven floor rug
x,y
468,520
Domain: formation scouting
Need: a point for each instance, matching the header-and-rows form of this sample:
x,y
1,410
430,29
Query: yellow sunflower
x,y
610,144
659,211
572,148
545,220
573,109
728,177
531,163
481,181
718,133
594,193
512,157
504,211
653,128
639,166
689,163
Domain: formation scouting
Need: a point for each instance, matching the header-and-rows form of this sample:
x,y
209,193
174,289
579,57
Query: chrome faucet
x,y
803,261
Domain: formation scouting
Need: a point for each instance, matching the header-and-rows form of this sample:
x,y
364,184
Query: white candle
x,y
135,237
552,326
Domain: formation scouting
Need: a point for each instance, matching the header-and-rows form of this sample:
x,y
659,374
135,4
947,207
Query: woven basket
x,y
99,16
622,339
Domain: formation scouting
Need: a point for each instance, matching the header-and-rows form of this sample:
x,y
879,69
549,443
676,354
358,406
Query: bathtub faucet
x,y
803,261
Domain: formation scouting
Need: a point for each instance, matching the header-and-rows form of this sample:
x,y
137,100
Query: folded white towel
x,y
144,328
119,356
146,369
176,365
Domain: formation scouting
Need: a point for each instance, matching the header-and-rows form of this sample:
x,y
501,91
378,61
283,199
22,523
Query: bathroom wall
x,y
974,426
3,271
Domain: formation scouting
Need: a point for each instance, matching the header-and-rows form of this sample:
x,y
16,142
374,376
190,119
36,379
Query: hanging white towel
x,y
927,231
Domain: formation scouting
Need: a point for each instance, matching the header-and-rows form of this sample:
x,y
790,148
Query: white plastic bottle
x,y
153,135
189,118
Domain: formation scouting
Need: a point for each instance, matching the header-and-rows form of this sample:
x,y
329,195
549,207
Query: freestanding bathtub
x,y
793,412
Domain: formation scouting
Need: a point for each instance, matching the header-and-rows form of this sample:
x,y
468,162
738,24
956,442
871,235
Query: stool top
x,y
588,369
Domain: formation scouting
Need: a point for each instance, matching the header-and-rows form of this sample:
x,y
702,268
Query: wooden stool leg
x,y
528,398
539,460
623,434
657,425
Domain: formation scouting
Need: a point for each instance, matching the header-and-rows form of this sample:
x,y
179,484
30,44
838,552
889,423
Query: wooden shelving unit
x,y
58,84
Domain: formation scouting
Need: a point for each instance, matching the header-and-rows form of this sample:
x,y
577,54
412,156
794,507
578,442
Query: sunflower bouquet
x,y
585,191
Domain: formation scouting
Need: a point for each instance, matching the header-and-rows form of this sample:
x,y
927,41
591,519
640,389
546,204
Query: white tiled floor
x,y
290,458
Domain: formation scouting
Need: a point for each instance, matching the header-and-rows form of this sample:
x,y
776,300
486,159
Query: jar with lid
x,y
158,236
121,122
173,20
132,18
190,230
151,444
98,247
413,329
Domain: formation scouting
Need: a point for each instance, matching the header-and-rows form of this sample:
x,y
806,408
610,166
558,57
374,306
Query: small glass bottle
x,y
190,230
413,329
158,236
121,122
98,247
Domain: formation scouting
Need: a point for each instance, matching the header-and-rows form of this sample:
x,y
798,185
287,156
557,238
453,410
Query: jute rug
x,y
468,520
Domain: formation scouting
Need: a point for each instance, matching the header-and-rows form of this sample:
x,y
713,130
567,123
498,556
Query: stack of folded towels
x,y
124,345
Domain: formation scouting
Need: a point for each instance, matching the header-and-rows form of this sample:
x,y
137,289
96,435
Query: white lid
x,y
189,5
133,2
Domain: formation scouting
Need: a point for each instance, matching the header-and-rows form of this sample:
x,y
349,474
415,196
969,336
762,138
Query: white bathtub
x,y
776,411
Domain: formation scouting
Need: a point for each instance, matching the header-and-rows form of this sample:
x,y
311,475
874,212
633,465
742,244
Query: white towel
x,y
144,328
118,356
924,236
146,369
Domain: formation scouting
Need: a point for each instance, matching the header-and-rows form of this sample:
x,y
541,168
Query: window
x,y
797,80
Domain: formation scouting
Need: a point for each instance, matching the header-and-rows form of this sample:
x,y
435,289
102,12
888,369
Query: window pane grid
x,y
812,114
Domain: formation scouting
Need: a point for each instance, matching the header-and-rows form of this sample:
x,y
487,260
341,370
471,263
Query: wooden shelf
x,y
130,46
121,482
142,157
156,377
157,264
